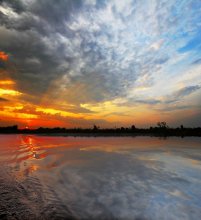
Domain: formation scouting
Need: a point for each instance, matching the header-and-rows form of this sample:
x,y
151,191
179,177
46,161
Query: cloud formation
x,y
79,52
185,91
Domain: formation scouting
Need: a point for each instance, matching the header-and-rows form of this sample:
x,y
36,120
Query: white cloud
x,y
7,11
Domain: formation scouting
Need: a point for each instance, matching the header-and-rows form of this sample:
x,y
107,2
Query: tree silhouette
x,y
95,128
133,127
162,124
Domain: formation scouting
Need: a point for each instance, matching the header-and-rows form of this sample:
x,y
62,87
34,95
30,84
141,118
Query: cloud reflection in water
x,y
120,178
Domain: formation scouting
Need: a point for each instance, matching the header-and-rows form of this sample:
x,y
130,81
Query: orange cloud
x,y
6,82
10,92
58,112
3,56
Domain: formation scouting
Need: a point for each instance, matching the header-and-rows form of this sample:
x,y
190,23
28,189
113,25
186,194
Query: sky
x,y
73,63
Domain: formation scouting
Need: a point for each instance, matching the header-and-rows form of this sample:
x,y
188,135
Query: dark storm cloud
x,y
29,34
76,39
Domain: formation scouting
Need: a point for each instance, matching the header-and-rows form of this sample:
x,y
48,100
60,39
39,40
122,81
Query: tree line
x,y
161,129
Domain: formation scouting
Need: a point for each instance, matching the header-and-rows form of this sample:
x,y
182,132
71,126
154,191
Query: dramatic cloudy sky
x,y
77,63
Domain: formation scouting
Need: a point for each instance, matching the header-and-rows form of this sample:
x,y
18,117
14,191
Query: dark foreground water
x,y
99,178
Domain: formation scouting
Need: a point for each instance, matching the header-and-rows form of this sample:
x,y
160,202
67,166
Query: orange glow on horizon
x,y
6,82
3,56
113,113
33,123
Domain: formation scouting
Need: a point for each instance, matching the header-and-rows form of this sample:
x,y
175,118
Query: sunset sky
x,y
74,63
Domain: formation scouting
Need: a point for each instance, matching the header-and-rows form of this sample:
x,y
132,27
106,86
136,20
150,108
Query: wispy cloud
x,y
185,91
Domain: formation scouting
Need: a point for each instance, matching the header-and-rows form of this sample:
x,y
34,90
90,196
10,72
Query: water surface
x,y
99,178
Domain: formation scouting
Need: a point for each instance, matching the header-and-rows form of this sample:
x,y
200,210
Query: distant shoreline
x,y
104,134
162,130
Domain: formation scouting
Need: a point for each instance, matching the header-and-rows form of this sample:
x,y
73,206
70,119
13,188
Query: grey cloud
x,y
55,12
31,35
176,96
170,99
186,91
95,46
148,101
174,108
136,101
161,60
198,61
16,5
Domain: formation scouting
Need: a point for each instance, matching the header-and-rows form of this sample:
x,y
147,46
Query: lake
x,y
46,177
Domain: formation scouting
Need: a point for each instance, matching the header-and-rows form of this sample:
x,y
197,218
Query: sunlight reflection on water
x,y
109,178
